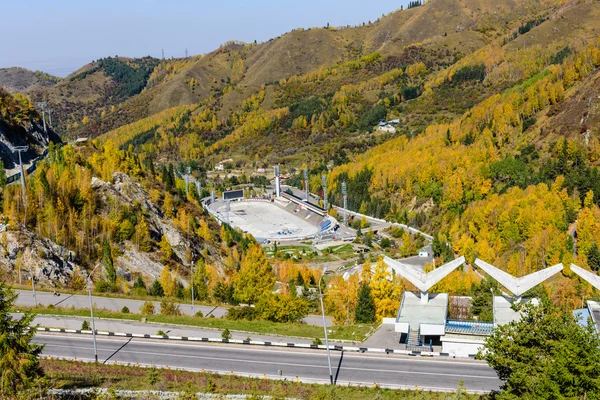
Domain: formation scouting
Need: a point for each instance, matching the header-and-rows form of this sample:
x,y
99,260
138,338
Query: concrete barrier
x,y
332,347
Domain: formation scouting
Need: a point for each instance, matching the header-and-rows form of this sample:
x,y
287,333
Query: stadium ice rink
x,y
266,220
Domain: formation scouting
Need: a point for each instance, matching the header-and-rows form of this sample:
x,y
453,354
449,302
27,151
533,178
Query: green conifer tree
x,y
365,305
107,260
19,364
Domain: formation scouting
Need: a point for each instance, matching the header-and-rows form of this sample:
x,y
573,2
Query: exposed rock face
x,y
26,253
125,190
54,265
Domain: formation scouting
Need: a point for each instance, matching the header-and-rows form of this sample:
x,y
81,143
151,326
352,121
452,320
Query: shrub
x,y
152,376
226,334
102,286
125,310
238,313
85,326
385,243
147,308
139,292
199,314
317,341
278,308
169,307
211,386
161,333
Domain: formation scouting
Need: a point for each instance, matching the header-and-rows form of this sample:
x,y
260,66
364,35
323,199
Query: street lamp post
x,y
33,287
325,327
192,282
92,312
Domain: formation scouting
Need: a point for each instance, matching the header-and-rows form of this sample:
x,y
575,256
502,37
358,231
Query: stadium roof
x,y
518,286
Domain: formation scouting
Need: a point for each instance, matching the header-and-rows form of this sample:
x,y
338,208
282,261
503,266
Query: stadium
x,y
281,219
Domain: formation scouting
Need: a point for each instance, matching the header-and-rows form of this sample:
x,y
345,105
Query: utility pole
x,y
42,104
212,199
50,111
193,308
306,183
325,327
324,182
587,138
345,194
33,286
21,149
163,54
186,53
89,287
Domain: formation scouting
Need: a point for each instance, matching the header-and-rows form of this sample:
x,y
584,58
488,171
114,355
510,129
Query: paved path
x,y
25,298
111,325
306,364
385,337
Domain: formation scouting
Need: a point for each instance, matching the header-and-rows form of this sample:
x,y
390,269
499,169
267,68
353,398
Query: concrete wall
x,y
460,347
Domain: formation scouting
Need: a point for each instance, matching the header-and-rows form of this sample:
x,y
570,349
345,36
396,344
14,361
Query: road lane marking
x,y
282,363
473,363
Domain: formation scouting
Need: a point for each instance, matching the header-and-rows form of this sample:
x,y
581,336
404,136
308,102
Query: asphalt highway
x,y
308,365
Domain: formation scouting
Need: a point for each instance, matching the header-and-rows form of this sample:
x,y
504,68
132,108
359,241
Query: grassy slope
x,y
351,332
68,374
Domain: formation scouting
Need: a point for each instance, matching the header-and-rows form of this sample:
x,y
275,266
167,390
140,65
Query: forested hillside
x,y
494,147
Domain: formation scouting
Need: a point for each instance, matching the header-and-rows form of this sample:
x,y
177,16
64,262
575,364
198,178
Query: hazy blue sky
x,y
59,36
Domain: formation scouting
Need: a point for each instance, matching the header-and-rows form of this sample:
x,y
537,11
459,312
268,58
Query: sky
x,y
60,36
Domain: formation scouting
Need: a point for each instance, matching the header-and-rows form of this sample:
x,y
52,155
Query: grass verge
x,y
114,295
352,332
69,375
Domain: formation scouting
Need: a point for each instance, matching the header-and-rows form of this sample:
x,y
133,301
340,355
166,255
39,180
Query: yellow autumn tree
x,y
341,299
204,231
167,281
168,206
255,277
386,291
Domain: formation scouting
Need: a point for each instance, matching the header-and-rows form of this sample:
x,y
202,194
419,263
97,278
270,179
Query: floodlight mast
x,y
324,182
306,184
345,194
42,104
227,209
277,181
187,179
21,149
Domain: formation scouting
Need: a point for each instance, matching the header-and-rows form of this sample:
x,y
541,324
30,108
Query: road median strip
x,y
256,343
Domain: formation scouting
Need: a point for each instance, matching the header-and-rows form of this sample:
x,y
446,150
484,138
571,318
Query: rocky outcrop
x,y
24,253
